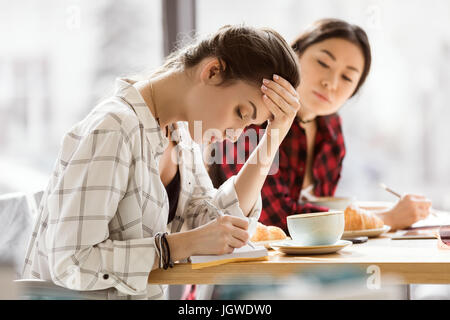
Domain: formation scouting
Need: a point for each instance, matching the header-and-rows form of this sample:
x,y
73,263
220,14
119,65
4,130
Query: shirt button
x,y
106,276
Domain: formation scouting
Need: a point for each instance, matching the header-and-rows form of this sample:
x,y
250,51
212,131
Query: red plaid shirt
x,y
281,190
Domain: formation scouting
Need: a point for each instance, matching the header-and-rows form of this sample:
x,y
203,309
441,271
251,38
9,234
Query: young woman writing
x,y
334,59
130,193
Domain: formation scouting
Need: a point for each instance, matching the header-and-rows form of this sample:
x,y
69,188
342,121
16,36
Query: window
x,y
57,60
396,128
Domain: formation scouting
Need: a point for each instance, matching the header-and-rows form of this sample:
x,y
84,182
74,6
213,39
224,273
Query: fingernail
x,y
265,81
275,77
264,87
265,97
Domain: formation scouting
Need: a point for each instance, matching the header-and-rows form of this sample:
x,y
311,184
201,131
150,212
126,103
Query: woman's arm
x,y
92,178
282,101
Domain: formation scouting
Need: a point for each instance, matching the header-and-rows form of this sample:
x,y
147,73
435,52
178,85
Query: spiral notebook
x,y
245,253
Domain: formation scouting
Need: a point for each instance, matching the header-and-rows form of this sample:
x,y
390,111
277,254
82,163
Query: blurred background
x,y
58,58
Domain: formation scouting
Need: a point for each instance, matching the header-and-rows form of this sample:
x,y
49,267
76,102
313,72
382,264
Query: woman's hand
x,y
283,102
409,209
220,236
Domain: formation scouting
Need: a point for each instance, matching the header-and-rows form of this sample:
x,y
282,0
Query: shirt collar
x,y
126,91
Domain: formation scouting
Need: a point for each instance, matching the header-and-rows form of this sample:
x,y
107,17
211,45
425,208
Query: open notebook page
x,y
245,253
442,218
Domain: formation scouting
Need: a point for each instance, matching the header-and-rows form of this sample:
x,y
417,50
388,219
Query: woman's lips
x,y
321,96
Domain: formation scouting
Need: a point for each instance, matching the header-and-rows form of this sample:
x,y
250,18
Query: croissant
x,y
266,233
357,218
276,233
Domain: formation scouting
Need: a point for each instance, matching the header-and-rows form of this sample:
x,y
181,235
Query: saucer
x,y
371,233
291,247
268,243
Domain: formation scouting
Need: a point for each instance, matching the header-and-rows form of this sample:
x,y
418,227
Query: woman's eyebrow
x,y
352,68
334,59
329,53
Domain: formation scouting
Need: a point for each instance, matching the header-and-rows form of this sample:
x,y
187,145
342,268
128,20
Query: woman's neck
x,y
306,115
165,96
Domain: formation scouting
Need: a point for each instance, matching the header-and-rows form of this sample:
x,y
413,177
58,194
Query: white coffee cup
x,y
315,229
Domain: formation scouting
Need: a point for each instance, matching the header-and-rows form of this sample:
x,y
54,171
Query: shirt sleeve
x,y
330,156
200,207
93,179
278,204
276,200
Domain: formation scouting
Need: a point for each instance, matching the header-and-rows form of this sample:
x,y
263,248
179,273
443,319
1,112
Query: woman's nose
x,y
330,82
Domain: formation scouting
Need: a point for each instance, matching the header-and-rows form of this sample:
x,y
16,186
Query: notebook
x,y
441,218
415,234
245,253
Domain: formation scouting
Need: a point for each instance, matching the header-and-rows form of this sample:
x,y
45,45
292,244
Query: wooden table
x,y
399,262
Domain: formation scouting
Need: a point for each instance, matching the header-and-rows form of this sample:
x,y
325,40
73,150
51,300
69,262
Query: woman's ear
x,y
211,71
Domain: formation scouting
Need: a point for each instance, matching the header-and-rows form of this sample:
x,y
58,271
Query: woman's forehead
x,y
340,50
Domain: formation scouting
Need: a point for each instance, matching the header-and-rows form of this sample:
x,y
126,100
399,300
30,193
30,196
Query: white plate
x,y
371,233
291,247
268,243
375,205
333,203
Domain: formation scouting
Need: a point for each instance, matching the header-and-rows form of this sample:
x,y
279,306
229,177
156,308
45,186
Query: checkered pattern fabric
x,y
105,200
282,187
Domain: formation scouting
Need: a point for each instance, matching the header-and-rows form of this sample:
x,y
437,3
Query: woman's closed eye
x,y
239,113
323,64
346,78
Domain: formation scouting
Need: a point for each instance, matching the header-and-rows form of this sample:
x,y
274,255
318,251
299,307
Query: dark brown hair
x,y
334,28
246,53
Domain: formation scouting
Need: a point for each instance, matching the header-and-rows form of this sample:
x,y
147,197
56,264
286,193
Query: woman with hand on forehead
x,y
130,192
334,60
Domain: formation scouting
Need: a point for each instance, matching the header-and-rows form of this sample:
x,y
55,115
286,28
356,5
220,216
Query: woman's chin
x,y
315,110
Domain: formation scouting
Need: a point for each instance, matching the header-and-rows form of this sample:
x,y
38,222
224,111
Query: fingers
x,y
285,99
421,206
424,205
278,101
285,84
273,108
235,243
418,200
425,213
288,94
235,231
238,222
240,235
415,197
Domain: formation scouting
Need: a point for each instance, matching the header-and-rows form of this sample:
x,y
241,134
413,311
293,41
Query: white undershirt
x,y
306,194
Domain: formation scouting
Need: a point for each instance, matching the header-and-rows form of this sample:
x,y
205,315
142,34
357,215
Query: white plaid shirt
x,y
105,201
